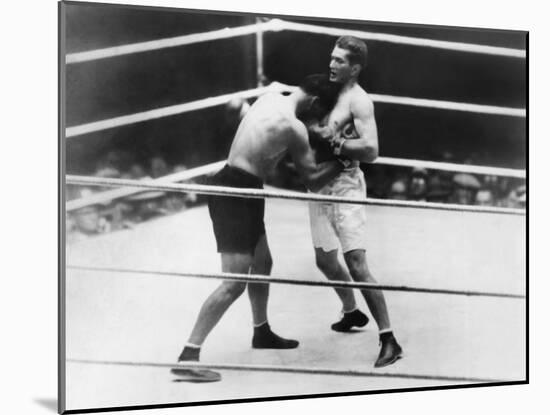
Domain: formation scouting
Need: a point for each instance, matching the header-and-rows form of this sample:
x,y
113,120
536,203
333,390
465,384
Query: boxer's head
x,y
347,59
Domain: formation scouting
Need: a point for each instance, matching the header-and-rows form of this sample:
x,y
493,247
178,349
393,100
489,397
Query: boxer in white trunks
x,y
351,133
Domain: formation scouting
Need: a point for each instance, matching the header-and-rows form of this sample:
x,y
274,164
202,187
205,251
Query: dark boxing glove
x,y
319,140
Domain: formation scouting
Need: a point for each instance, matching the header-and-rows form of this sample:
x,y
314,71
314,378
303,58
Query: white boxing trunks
x,y
335,224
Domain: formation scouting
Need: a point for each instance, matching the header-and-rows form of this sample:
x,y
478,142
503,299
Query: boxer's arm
x,y
313,175
365,147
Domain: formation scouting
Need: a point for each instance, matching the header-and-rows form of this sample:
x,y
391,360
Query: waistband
x,y
244,178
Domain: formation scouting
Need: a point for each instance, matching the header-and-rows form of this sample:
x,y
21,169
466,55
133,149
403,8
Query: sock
x,y
262,328
386,335
349,311
190,352
193,345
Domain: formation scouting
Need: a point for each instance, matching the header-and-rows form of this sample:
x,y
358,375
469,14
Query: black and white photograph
x,y
270,206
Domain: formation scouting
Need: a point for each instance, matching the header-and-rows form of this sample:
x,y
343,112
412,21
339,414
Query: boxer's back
x,y
262,137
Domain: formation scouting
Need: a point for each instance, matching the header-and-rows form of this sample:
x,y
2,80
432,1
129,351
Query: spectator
x,y
147,204
448,157
440,187
517,197
418,187
136,171
503,189
87,219
485,197
107,172
159,167
398,190
522,200
189,198
175,201
106,169
465,189
113,164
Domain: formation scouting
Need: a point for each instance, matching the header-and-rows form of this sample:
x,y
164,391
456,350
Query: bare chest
x,y
341,116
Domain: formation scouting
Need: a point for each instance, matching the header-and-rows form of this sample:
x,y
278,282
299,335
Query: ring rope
x,y
407,40
436,104
278,25
113,194
462,168
276,87
110,195
288,369
450,105
289,195
166,43
252,278
164,111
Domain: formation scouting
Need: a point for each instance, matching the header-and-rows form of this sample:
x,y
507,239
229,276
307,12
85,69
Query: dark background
x,y
131,83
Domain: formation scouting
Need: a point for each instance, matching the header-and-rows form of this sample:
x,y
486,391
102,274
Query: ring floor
x,y
125,317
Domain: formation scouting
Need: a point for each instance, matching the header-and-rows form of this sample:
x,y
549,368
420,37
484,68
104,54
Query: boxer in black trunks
x,y
274,126
238,222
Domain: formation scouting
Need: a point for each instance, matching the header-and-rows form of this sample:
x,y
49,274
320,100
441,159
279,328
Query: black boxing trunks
x,y
238,222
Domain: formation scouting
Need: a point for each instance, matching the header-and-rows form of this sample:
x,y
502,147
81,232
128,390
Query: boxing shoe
x,y
355,318
264,338
390,351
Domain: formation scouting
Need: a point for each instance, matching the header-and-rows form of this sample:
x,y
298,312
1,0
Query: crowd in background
x,y
446,187
125,212
439,186
385,182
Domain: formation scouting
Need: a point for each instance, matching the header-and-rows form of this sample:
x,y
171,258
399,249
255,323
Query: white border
x,y
29,303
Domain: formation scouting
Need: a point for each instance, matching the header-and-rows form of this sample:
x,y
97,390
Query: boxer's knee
x,y
357,265
231,290
327,262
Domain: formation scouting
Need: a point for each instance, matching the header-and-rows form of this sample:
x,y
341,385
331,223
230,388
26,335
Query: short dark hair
x,y
357,49
319,85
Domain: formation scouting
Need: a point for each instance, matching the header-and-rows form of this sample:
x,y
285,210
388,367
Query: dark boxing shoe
x,y
390,352
264,338
355,318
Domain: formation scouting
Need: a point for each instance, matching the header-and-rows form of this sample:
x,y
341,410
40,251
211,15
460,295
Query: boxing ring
x,y
454,276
